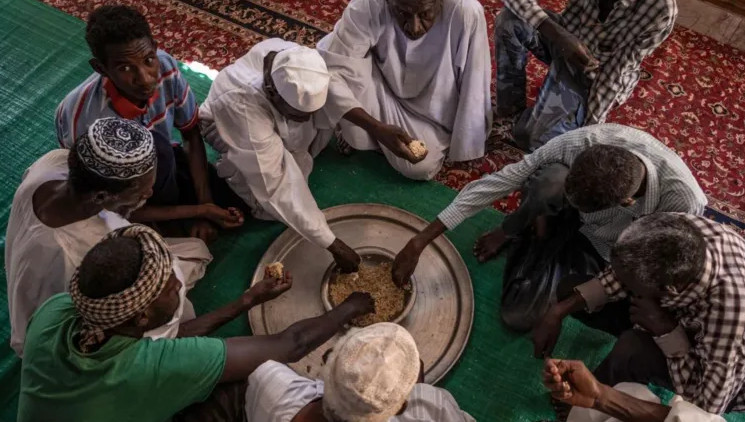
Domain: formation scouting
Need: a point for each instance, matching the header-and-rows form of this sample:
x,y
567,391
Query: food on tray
x,y
390,300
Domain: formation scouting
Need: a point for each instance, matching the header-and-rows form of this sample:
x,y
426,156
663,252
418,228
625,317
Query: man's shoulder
x,y
90,87
468,9
53,310
167,62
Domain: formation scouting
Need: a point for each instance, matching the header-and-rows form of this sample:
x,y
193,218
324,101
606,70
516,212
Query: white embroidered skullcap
x,y
116,148
301,78
370,373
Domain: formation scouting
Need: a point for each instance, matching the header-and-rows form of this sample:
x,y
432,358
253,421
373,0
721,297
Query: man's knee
x,y
545,188
631,359
425,170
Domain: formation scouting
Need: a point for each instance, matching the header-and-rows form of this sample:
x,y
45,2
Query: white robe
x,y
265,158
437,88
680,410
40,260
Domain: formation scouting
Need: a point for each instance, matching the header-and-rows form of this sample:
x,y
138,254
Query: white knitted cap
x,y
370,373
301,78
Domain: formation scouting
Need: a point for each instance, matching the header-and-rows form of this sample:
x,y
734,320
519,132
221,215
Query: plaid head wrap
x,y
116,148
110,311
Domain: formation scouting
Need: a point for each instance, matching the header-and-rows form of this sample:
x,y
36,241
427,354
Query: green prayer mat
x,y
497,379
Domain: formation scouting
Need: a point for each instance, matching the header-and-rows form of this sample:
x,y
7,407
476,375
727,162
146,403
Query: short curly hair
x,y
662,249
602,176
111,266
109,25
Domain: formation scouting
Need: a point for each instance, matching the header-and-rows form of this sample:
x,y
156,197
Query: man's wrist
x,y
604,399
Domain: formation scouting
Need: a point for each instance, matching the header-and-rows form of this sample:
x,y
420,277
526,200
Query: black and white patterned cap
x,y
116,148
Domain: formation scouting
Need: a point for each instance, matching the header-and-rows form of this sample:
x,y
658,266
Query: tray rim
x,y
289,237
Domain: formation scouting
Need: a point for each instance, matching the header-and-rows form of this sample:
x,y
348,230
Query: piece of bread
x,y
418,148
275,270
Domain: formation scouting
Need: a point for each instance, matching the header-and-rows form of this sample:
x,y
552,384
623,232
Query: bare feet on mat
x,y
490,244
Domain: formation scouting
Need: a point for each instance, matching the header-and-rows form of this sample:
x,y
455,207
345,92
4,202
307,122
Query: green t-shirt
x,y
127,379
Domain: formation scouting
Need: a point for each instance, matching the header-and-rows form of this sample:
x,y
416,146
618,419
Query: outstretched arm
x,y
245,354
263,291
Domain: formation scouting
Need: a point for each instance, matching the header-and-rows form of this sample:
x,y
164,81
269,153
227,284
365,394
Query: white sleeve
x,y
682,411
270,171
346,51
473,118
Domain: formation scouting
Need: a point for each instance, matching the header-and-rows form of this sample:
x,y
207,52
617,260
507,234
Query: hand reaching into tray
x,y
345,257
407,260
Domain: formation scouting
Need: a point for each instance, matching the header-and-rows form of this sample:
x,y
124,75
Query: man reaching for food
x,y
411,69
261,116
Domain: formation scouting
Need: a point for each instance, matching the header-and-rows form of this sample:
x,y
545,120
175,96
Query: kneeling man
x,y
86,358
579,192
404,69
261,115
674,299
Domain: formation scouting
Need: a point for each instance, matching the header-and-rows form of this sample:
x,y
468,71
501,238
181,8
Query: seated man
x,y
260,115
134,80
404,69
676,289
86,359
571,382
579,192
594,50
371,376
68,200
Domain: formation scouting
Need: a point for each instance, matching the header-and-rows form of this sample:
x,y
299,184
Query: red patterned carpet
x,y
692,94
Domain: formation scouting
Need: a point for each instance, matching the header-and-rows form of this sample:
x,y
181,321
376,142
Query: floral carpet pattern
x,y
691,96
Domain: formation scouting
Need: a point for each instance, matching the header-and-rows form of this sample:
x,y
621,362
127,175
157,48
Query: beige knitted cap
x,y
370,374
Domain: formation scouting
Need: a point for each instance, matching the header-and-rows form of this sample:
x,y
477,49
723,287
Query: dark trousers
x,y
536,265
635,356
174,185
225,404
561,103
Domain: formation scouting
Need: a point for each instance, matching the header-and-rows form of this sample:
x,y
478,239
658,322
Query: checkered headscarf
x,y
116,148
110,311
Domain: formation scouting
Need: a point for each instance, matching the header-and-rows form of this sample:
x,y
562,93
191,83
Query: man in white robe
x,y
411,69
66,204
261,116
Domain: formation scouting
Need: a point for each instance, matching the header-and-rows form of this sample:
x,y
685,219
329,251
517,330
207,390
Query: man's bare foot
x,y
490,244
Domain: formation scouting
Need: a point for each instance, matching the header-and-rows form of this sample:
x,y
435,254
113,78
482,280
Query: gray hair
x,y
660,250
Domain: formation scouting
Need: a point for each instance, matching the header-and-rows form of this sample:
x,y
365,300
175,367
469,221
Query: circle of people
x,y
609,229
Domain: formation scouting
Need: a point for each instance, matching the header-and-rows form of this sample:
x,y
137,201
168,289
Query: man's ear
x,y
141,320
97,66
102,197
628,202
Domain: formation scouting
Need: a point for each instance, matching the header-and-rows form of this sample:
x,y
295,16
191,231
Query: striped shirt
x,y
276,393
632,31
172,105
670,185
711,313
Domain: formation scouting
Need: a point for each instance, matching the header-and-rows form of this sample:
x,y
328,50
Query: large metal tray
x,y
441,318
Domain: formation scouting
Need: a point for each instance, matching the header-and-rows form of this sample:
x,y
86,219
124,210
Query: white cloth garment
x,y
680,410
265,158
276,393
40,260
436,88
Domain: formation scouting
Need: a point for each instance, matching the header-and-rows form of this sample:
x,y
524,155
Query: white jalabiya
x,y
265,158
40,260
680,410
437,88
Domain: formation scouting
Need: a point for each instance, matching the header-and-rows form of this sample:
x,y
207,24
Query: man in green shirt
x,y
86,360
